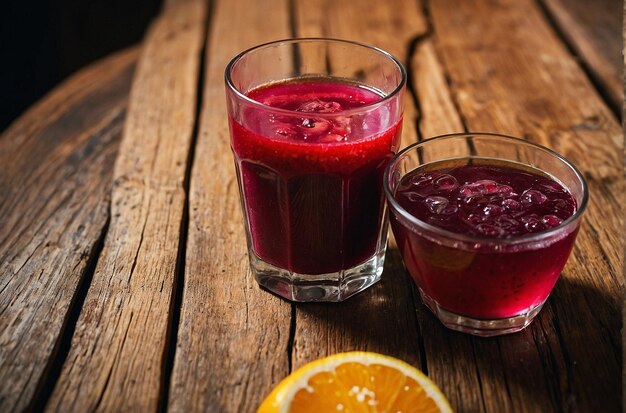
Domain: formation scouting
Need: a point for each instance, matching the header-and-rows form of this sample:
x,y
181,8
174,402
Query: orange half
x,y
356,382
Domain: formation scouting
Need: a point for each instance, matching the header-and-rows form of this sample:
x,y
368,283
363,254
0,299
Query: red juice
x,y
491,202
312,182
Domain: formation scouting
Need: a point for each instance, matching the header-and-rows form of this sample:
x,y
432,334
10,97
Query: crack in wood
x,y
169,353
293,28
110,373
62,346
141,236
292,337
410,85
581,61
446,71
416,301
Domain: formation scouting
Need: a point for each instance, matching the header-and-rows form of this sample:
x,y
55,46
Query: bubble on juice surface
x,y
506,191
491,210
510,204
470,190
445,182
487,186
532,223
421,180
532,197
320,106
314,127
436,204
551,221
482,187
277,101
475,202
285,130
413,196
562,208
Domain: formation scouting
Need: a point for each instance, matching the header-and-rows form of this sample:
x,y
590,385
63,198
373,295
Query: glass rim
x,y
519,239
361,109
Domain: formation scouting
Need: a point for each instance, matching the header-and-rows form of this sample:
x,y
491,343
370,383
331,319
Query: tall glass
x,y
484,284
313,124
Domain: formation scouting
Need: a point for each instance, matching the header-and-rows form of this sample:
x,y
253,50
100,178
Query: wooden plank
x,y
233,337
380,319
51,219
512,80
593,30
117,354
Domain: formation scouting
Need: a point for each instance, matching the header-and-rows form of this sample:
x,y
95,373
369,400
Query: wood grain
x,y
116,358
511,80
54,192
592,29
233,337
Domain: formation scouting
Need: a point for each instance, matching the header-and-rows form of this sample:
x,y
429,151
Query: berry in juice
x,y
311,173
491,276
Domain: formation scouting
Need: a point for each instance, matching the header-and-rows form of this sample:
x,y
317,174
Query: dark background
x,y
44,41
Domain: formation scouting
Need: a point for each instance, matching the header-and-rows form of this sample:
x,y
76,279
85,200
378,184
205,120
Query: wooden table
x,y
124,280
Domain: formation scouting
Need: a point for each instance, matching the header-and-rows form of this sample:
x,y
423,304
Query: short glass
x,y
310,172
477,284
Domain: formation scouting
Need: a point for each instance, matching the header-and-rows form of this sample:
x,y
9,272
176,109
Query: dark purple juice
x,y
312,183
487,274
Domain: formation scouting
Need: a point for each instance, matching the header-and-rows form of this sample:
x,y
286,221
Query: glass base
x,y
330,287
480,327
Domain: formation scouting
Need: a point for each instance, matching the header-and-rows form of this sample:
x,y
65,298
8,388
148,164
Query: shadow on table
x,y
381,319
569,358
546,366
